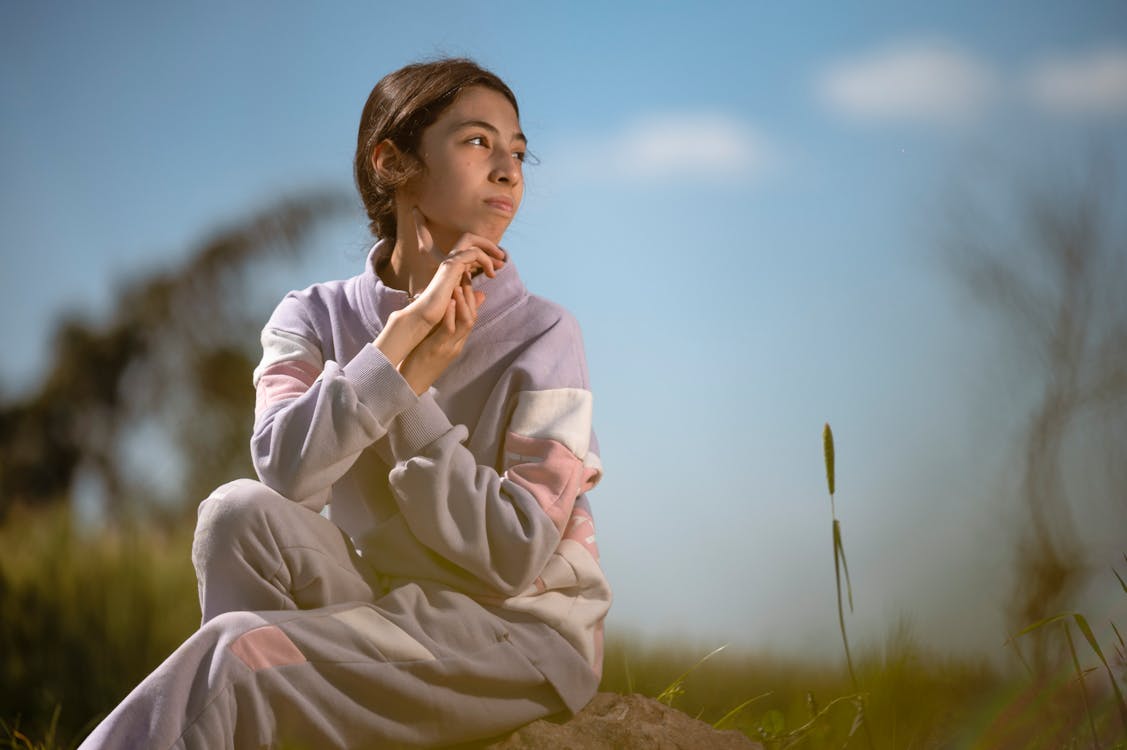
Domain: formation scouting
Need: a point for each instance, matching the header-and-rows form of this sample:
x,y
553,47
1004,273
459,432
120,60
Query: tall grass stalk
x,y
799,733
11,738
1083,687
1085,629
736,711
677,687
840,564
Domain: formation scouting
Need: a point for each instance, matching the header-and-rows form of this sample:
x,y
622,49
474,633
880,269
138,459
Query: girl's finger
x,y
476,257
472,240
486,262
471,300
464,317
464,261
449,319
449,276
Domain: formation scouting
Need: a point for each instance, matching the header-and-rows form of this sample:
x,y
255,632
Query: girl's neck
x,y
406,270
410,267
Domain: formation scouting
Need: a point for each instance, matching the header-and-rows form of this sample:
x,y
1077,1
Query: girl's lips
x,y
501,204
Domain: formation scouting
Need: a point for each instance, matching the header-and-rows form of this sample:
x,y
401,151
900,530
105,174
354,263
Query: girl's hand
x,y
470,254
407,328
444,343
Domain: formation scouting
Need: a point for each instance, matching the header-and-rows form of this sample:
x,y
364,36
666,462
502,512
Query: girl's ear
x,y
386,159
392,166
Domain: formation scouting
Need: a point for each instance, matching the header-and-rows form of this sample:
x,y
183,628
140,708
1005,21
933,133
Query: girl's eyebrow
x,y
517,136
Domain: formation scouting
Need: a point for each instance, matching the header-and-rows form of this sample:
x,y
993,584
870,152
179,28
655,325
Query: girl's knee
x,y
229,514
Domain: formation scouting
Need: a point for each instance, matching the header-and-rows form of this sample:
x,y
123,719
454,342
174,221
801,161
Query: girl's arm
x,y
503,523
314,418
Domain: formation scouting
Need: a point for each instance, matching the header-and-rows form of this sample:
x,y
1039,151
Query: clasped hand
x,y
428,334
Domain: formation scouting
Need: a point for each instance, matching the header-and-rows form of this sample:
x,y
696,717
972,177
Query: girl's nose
x,y
507,169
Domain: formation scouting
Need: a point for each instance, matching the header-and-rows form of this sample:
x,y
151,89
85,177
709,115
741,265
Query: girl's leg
x,y
339,677
255,550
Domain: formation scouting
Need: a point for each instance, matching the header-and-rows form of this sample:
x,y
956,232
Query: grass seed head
x,y
828,447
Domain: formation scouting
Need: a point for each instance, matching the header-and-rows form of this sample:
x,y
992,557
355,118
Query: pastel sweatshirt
x,y
479,485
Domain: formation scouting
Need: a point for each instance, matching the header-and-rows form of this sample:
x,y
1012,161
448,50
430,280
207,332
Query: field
x,y
85,616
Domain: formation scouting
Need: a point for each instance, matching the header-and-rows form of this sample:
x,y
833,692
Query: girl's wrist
x,y
403,332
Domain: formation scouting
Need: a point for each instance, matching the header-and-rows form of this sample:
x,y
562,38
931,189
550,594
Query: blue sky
x,y
744,204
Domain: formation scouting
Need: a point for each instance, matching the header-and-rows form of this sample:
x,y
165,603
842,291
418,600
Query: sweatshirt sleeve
x,y
313,417
502,524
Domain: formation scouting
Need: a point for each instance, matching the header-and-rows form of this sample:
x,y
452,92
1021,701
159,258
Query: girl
x,y
442,414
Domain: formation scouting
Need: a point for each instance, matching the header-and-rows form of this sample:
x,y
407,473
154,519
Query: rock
x,y
622,722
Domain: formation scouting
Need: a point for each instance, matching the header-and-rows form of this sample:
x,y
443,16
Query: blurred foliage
x,y
1050,263
85,616
174,358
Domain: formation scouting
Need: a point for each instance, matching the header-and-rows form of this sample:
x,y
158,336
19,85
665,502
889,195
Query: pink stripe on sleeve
x,y
548,471
581,528
282,381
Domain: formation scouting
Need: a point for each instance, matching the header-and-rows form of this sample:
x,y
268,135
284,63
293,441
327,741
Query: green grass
x,y
86,617
915,698
83,618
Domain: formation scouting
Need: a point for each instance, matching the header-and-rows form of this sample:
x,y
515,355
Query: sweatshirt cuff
x,y
417,427
378,385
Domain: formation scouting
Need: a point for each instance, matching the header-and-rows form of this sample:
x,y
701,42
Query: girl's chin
x,y
490,231
491,228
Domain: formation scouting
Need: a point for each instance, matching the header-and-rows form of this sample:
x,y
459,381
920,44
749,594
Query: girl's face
x,y
473,156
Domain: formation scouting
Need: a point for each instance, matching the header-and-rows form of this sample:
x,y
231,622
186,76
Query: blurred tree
x,y
1058,287
173,360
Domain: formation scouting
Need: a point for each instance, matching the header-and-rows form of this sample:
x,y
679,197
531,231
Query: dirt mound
x,y
623,722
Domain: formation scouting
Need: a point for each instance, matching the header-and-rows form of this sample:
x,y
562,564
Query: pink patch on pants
x,y
266,647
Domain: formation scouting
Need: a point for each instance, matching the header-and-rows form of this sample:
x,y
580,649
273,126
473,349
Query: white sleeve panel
x,y
560,414
283,346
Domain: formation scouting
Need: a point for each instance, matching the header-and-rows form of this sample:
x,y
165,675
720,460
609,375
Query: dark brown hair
x,y
401,106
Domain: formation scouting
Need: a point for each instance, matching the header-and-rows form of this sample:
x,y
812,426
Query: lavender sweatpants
x,y
302,647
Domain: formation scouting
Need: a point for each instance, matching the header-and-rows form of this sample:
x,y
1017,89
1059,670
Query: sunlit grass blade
x,y
798,732
11,738
1040,624
1122,645
1080,679
676,687
735,711
858,718
1086,630
1082,623
839,549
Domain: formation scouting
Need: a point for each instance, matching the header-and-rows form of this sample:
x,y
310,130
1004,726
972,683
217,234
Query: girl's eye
x,y
477,140
520,155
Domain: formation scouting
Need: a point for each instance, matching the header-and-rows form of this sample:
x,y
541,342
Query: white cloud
x,y
690,145
1091,84
665,146
929,81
